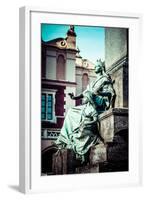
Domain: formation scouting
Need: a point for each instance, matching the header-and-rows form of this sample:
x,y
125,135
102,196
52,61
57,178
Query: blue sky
x,y
90,40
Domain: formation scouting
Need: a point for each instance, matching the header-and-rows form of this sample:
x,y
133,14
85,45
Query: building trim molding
x,y
118,64
114,111
58,82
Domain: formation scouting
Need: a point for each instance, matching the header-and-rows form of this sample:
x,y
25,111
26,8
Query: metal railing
x,y
50,134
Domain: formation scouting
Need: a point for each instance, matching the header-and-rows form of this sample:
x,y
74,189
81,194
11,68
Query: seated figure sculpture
x,y
80,130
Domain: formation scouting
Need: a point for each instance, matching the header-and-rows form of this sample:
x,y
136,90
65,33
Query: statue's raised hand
x,y
71,95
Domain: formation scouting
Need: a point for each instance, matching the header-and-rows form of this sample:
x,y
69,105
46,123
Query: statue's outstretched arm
x,y
75,97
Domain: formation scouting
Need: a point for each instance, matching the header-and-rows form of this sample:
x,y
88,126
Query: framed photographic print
x,y
79,125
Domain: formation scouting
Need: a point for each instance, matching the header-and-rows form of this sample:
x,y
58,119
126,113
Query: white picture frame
x,y
30,87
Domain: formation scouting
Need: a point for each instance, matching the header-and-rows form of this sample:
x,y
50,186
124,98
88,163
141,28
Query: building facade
x,y
63,71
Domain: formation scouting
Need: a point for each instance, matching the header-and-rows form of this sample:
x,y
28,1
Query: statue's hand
x,y
89,123
71,95
94,121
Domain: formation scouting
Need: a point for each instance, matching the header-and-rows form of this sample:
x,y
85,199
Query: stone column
x,y
116,62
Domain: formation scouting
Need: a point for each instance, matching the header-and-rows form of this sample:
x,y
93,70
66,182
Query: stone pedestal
x,y
88,169
64,162
112,155
113,121
98,154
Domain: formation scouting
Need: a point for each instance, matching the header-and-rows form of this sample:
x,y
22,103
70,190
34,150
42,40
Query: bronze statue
x,y
80,130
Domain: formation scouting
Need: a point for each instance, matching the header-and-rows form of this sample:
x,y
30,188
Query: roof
x,y
59,43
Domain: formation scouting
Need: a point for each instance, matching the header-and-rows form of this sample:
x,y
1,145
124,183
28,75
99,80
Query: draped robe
x,y
75,134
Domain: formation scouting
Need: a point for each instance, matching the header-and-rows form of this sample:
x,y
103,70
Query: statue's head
x,y
99,67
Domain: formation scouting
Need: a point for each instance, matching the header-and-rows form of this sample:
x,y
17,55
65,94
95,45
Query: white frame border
x,y
26,179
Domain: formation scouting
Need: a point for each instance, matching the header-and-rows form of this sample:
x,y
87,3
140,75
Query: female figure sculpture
x,y
80,130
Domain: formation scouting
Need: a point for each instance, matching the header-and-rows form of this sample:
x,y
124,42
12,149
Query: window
x,y
60,67
85,81
47,107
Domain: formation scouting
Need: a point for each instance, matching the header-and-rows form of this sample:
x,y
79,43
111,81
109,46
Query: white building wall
x,y
51,53
69,103
79,61
50,67
70,70
79,84
70,67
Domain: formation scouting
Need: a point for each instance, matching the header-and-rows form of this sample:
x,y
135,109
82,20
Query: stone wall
x,y
116,46
116,62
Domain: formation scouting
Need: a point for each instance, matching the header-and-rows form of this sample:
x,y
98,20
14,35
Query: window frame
x,y
53,93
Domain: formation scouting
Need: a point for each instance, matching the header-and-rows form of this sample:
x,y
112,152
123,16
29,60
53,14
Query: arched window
x,y
60,68
85,81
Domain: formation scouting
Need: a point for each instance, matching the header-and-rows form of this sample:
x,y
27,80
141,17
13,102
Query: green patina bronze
x,y
80,130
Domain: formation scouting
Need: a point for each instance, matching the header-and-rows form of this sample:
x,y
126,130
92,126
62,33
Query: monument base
x,y
113,121
110,156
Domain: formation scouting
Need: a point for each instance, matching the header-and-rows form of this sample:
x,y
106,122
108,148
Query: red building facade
x,y
63,71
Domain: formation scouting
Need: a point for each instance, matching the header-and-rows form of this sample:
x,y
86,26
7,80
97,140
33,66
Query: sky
x,y
89,40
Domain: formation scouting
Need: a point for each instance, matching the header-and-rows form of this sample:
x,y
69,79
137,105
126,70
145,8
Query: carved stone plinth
x,y
64,162
88,169
98,154
113,121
